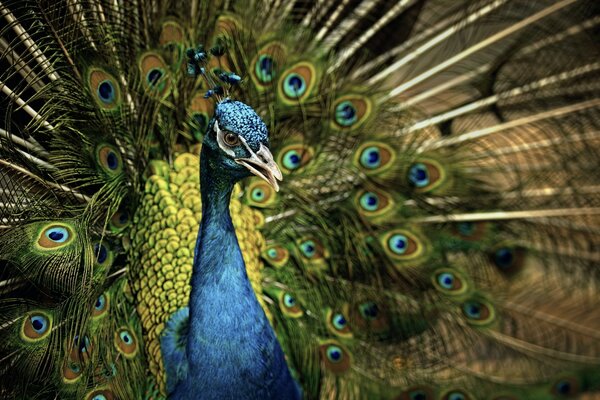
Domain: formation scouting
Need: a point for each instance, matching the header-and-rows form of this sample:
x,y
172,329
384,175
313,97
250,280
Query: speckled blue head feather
x,y
240,118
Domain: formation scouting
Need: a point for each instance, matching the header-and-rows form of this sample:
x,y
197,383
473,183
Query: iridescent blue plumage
x,y
231,349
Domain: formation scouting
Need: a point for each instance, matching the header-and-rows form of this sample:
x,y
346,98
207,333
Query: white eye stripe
x,y
221,141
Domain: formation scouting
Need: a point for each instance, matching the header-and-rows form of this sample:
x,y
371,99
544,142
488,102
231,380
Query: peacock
x,y
318,199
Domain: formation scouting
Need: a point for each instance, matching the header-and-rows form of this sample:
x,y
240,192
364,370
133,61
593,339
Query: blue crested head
x,y
239,139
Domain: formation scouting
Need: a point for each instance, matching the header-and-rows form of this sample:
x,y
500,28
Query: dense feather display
x,y
435,234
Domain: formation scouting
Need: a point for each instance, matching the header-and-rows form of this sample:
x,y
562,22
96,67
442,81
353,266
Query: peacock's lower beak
x,y
262,165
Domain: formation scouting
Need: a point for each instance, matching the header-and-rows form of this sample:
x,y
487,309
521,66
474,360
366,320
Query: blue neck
x,y
231,349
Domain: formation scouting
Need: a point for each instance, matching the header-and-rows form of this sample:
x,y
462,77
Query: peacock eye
x,y
567,387
154,76
289,300
455,395
335,357
55,236
109,159
334,354
103,394
126,343
478,312
345,114
289,305
264,68
369,201
418,175
308,248
398,243
106,92
370,157
231,139
339,322
369,310
374,157
417,393
101,253
276,256
294,85
101,305
448,282
426,175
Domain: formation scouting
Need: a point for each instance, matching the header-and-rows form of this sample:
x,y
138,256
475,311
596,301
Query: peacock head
x,y
239,139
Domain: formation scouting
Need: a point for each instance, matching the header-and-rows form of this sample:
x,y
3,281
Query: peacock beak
x,y
262,165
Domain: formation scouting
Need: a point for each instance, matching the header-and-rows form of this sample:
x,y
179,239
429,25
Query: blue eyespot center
x,y
466,228
503,258
292,160
258,194
112,161
101,253
339,322
294,85
154,76
100,303
126,337
57,234
309,248
106,91
39,323
272,253
472,309
563,387
398,243
370,157
369,310
369,201
264,68
418,395
345,113
446,280
456,396
334,353
99,397
289,300
418,175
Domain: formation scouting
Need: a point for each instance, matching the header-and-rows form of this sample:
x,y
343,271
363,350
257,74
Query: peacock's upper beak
x,y
262,165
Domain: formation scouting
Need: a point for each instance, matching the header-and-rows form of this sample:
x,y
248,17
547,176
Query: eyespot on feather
x,y
37,325
109,159
294,157
104,88
153,70
266,64
54,236
289,305
449,282
297,83
351,111
478,312
276,255
426,175
374,157
417,393
337,323
335,357
260,194
126,342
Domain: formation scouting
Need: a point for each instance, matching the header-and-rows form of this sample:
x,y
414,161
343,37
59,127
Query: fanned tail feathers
x,y
436,233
